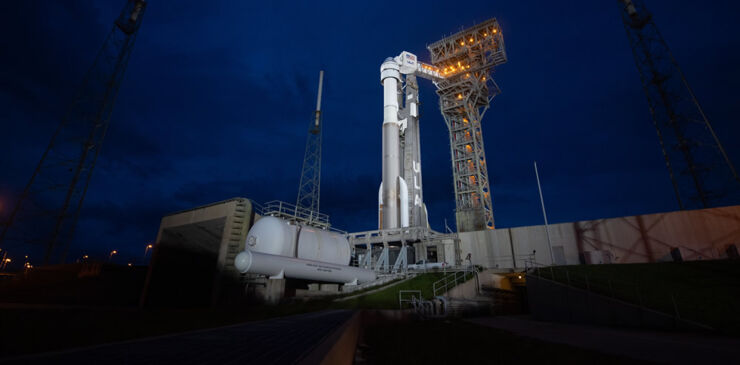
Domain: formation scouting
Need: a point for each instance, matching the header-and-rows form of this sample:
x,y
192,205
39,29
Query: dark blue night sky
x,y
218,95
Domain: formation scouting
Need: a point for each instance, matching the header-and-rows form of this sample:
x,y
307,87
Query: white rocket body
x,y
393,196
390,76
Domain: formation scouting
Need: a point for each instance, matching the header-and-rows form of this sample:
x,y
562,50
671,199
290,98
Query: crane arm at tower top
x,y
410,65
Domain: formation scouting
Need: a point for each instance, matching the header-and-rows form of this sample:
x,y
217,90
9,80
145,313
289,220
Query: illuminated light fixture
x,y
495,31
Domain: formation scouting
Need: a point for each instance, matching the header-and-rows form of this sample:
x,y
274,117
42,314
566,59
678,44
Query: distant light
x,y
130,264
495,30
519,276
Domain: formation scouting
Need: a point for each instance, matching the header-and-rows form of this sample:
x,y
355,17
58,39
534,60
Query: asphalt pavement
x,y
285,340
653,346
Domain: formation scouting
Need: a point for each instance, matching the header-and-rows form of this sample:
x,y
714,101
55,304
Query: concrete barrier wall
x,y
699,234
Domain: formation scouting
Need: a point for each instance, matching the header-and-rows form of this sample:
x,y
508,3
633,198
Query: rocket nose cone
x,y
243,261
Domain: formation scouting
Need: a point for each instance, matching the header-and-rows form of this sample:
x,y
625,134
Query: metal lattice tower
x,y
466,59
309,188
701,172
48,209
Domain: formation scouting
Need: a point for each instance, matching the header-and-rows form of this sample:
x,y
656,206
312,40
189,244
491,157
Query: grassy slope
x,y
703,291
388,298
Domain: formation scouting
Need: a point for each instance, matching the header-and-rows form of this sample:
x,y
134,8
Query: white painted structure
x,y
279,267
393,196
282,249
701,234
277,236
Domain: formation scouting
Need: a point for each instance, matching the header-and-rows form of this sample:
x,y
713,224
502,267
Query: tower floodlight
x,y
465,61
461,67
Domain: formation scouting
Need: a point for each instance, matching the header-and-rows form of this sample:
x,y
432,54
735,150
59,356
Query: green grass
x,y
707,292
388,298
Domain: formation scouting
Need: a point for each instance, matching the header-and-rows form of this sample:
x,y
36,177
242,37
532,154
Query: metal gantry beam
x,y
49,207
701,173
465,60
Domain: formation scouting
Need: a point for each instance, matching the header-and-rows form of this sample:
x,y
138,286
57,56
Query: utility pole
x,y
544,213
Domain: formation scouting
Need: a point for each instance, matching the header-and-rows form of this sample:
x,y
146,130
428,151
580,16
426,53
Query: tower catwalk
x,y
701,172
466,59
47,211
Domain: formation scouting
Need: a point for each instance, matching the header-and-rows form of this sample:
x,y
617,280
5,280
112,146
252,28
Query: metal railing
x,y
408,296
450,281
291,212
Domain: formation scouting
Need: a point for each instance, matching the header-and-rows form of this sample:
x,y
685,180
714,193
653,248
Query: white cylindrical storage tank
x,y
275,236
320,245
274,265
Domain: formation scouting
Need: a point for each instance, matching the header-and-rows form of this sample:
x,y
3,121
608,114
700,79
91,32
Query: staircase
x,y
236,235
476,295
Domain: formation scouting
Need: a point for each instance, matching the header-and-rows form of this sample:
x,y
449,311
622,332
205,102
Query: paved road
x,y
661,347
276,341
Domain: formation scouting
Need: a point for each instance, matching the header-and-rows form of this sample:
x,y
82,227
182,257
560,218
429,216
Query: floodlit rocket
x,y
397,207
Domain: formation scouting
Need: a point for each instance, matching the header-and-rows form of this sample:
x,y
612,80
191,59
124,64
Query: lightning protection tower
x,y
48,208
466,60
701,172
309,188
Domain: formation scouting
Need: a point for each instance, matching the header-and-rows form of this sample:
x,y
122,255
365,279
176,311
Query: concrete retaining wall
x,y
699,234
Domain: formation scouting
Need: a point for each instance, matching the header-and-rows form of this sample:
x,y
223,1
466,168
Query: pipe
x,y
390,77
404,191
275,266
